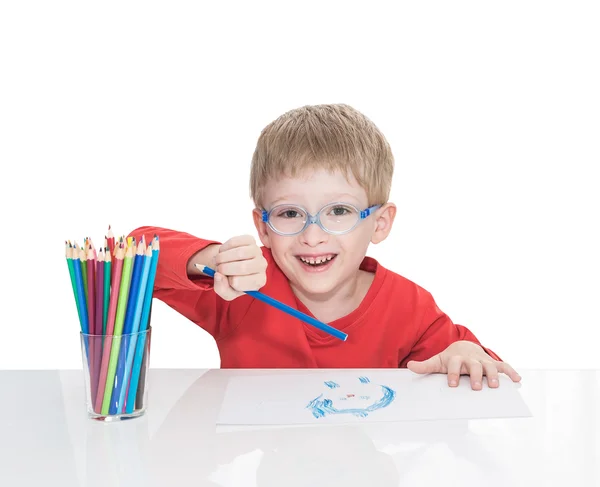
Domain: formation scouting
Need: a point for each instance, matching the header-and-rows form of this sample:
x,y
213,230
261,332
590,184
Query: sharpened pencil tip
x,y
200,267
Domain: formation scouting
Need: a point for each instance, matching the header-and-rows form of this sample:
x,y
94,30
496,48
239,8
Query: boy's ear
x,y
261,227
384,219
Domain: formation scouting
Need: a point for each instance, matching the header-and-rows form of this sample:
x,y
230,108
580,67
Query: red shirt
x,y
396,322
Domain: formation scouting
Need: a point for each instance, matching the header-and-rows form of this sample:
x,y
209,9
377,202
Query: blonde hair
x,y
330,137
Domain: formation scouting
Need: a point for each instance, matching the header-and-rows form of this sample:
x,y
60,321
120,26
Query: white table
x,y
46,439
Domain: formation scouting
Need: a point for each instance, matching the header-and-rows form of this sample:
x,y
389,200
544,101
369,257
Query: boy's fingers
x,y
429,366
237,242
508,370
244,252
475,370
223,289
241,268
454,367
491,372
247,283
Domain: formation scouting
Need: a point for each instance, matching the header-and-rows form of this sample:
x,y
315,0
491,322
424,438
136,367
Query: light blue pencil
x,y
285,308
144,321
137,314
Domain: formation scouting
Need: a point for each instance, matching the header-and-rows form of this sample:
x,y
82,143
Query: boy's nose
x,y
314,235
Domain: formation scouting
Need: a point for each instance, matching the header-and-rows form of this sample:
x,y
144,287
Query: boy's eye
x,y
339,211
289,213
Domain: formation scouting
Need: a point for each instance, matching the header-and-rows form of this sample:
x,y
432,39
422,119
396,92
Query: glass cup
x,y
115,374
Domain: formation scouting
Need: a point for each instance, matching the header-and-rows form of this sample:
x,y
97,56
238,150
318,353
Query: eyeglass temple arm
x,y
365,213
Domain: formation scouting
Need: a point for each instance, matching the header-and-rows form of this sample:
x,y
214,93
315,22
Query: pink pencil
x,y
110,324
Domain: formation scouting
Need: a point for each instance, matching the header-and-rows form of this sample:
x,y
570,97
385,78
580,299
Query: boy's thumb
x,y
429,366
222,287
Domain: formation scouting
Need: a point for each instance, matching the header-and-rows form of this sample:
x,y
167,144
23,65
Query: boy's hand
x,y
464,357
239,266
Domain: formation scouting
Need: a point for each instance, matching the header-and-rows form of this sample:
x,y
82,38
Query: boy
x,y
331,162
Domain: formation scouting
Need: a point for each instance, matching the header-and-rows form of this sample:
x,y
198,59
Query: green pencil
x,y
107,269
69,255
119,320
83,261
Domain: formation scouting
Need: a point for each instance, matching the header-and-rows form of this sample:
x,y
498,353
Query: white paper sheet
x,y
342,396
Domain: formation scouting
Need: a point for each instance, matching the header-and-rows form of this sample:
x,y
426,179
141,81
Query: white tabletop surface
x,y
46,439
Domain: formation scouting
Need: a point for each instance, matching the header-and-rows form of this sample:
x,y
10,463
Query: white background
x,y
148,113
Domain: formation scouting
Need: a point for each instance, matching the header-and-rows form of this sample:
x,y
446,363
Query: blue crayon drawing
x,y
359,404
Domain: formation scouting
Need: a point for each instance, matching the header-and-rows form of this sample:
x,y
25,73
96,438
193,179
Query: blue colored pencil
x,y
137,315
144,321
285,308
135,287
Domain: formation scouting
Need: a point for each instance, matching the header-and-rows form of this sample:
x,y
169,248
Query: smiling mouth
x,y
316,261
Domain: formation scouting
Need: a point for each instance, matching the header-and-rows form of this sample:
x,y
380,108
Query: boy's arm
x,y
437,332
182,286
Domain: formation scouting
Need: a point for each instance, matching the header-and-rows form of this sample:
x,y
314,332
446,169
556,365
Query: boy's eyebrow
x,y
334,198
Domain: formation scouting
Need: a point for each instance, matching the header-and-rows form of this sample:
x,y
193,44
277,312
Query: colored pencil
x,y
137,315
83,263
112,283
143,326
134,289
69,257
77,271
110,323
108,404
106,297
110,239
91,308
91,289
135,286
96,355
285,308
136,385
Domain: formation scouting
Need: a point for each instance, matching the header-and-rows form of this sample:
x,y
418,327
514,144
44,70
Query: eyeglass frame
x,y
310,219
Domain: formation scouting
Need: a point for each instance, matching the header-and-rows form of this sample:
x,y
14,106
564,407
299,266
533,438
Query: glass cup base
x,y
111,418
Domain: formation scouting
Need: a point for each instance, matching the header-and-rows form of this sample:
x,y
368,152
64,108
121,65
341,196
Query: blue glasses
x,y
335,218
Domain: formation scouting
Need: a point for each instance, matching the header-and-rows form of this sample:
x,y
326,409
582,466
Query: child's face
x,y
346,252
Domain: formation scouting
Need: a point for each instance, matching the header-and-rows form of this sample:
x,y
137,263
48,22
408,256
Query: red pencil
x,y
116,272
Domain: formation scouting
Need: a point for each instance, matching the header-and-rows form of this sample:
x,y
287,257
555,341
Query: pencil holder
x,y
115,374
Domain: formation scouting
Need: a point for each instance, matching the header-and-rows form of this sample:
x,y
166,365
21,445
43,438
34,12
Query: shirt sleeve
x,y
437,332
191,296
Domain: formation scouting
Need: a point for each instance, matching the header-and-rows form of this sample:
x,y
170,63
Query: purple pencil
x,y
97,331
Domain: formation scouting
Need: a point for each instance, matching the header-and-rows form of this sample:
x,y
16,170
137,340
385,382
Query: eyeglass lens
x,y
335,218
